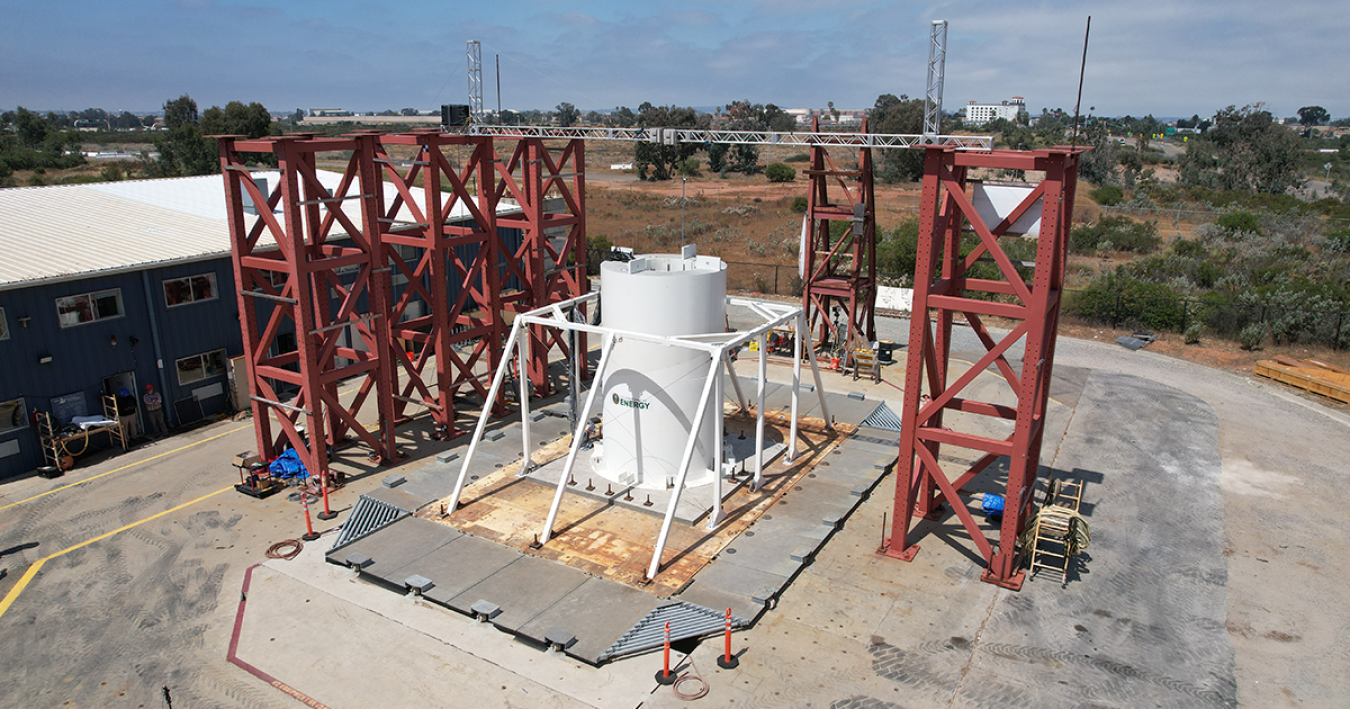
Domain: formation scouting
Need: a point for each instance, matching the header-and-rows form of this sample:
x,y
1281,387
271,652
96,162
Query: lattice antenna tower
x,y
475,54
937,68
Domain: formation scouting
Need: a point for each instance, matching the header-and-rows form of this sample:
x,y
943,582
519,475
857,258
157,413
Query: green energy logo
x,y
632,403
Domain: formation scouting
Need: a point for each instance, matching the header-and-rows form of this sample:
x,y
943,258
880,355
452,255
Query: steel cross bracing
x,y
839,269
296,286
335,282
922,485
671,136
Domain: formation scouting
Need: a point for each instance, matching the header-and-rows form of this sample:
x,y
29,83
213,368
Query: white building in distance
x,y
978,114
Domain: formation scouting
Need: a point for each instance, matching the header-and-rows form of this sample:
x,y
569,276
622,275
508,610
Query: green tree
x,y
1310,116
180,112
236,118
897,115
655,161
184,151
567,114
1245,150
623,117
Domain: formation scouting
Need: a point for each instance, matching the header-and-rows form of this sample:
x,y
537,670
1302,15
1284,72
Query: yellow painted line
x,y
128,465
33,570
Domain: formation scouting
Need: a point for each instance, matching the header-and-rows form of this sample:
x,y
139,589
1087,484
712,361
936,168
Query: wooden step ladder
x,y
1057,539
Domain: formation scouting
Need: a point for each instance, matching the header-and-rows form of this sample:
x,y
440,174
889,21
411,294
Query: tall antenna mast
x,y
1081,70
475,52
937,69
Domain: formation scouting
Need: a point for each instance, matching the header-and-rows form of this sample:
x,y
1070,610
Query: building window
x,y
189,289
13,415
88,307
4,325
199,367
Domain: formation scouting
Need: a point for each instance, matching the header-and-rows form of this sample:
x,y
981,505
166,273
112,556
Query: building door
x,y
118,382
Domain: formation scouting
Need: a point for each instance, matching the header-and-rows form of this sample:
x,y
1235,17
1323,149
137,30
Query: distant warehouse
x,y
117,285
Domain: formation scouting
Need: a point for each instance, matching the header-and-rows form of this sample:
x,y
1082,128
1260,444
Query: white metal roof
x,y
64,232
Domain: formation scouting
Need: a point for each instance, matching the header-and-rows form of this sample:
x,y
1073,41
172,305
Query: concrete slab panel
x,y
394,547
524,589
396,497
741,605
765,549
737,579
459,565
848,410
597,612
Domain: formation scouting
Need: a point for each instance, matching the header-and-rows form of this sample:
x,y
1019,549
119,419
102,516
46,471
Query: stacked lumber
x,y
1308,374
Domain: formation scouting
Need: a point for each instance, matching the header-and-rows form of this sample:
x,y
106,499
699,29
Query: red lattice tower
x,y
840,269
299,281
922,486
551,261
433,220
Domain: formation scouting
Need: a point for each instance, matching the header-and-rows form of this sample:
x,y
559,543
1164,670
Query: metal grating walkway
x,y
368,516
687,620
883,418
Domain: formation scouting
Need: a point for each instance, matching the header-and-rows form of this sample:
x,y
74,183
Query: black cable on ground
x,y
275,551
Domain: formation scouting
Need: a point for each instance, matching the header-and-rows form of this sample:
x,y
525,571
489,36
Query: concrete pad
x,y
392,548
459,565
737,579
405,649
707,596
524,588
761,550
396,497
597,612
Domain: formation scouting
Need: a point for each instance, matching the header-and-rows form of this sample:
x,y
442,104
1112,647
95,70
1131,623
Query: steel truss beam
x,y
840,269
735,137
922,486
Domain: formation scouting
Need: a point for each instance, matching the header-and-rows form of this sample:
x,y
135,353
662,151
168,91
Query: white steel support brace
x,y
475,60
716,516
796,389
762,382
735,381
577,438
815,373
685,460
523,343
482,419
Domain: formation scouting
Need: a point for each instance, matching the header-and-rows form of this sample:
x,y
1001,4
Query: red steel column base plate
x,y
902,554
1013,584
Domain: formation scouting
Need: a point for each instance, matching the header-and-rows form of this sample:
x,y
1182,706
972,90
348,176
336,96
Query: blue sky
x,y
1166,58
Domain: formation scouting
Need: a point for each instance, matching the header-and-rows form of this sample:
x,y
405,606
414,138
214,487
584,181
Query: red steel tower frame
x,y
921,484
551,266
320,239
840,271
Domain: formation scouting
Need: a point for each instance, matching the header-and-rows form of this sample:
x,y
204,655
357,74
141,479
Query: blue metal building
x,y
112,285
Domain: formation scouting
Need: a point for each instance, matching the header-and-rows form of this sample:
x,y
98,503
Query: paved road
x,y
143,565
